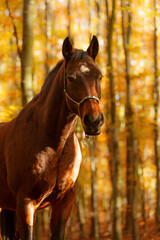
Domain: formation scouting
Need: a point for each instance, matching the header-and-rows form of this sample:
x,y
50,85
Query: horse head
x,y
82,79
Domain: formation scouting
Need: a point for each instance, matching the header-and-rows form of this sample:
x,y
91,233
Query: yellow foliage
x,y
141,50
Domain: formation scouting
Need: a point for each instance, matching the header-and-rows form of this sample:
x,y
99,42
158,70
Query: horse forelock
x,y
78,55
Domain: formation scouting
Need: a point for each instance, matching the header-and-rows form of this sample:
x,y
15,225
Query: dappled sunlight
x,y
84,19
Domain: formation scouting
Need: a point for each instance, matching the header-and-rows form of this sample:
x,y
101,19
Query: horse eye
x,y
100,78
71,79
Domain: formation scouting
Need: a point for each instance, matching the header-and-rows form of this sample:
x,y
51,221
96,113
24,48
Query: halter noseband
x,y
72,100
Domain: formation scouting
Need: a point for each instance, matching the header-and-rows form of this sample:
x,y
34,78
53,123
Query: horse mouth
x,y
92,133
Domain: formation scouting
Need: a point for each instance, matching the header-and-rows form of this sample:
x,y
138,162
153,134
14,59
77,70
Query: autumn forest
x,y
118,189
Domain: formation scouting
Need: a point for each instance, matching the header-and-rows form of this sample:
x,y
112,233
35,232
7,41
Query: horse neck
x,y
58,121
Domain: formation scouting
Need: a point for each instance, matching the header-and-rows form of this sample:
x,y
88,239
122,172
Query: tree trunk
x,y
69,18
156,106
48,30
27,52
89,19
135,232
81,210
142,192
131,143
94,196
114,138
98,7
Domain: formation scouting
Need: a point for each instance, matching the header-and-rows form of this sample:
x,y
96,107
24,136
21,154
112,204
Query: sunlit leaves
x,y
141,74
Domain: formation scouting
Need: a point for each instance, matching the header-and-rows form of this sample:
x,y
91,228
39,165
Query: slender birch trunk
x,y
98,7
69,18
89,19
156,108
114,138
131,142
94,195
27,52
48,33
81,210
129,119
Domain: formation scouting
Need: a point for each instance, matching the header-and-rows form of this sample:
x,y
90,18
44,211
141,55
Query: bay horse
x,y
40,155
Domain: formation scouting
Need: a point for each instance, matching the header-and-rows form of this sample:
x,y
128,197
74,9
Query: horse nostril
x,y
90,121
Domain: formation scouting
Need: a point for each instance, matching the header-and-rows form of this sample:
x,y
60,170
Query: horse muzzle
x,y
92,124
90,114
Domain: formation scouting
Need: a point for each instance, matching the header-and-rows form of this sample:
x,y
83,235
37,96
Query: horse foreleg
x,y
8,224
25,218
61,209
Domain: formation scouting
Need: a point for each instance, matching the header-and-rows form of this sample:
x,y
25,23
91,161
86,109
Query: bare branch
x,y
129,28
107,9
14,29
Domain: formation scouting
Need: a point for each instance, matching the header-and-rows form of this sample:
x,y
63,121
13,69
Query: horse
x,y
40,156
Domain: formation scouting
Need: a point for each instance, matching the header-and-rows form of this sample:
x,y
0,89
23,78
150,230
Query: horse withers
x,y
40,155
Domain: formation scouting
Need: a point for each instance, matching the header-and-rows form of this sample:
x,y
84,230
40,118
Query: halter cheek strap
x,y
78,103
72,100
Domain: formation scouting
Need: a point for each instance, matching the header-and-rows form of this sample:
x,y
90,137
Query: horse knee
x,y
25,218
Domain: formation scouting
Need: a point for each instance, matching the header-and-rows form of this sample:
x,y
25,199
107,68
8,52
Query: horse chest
x,y
46,166
59,170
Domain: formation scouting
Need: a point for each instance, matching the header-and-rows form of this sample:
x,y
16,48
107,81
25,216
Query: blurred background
x,y
118,190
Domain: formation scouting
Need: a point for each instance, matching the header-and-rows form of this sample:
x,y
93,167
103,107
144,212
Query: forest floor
x,y
147,231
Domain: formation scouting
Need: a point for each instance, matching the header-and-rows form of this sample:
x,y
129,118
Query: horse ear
x,y
67,48
93,47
